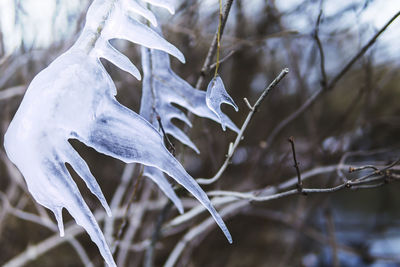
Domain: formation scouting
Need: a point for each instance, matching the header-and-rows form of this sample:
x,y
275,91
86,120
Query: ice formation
x,y
216,95
74,98
162,88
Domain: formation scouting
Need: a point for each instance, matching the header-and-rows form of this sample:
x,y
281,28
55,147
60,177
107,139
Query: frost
x,y
216,95
74,98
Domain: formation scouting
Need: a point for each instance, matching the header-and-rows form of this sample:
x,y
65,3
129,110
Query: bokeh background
x,y
354,123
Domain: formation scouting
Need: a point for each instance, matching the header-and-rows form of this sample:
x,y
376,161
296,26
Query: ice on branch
x,y
216,95
74,98
161,89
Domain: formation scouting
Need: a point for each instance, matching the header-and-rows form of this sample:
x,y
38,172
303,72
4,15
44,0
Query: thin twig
x,y
330,86
237,206
364,49
168,143
253,110
381,176
122,226
116,200
296,165
12,92
213,47
231,53
330,225
30,217
71,230
136,219
324,81
206,225
218,38
149,258
226,197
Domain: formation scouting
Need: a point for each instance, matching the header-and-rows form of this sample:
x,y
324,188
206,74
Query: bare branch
x,y
71,230
296,165
253,110
214,44
324,81
310,101
380,176
206,225
30,217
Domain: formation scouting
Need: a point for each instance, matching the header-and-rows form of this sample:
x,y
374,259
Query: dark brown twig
x,y
370,180
170,146
296,165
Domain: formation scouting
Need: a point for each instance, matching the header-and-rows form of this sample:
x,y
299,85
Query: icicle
x,y
158,177
58,214
135,7
74,97
105,50
123,27
167,4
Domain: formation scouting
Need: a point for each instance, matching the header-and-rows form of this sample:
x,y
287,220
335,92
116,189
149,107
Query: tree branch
x,y
239,137
310,101
214,44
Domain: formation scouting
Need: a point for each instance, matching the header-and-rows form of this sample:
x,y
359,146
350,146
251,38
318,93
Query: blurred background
x,y
353,121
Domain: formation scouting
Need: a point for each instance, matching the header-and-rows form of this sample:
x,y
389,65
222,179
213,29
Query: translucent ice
x,y
161,89
74,98
216,95
167,4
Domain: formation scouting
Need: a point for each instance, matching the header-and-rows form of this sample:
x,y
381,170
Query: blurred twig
x,y
124,222
12,92
201,229
30,217
71,230
330,86
149,258
324,81
135,222
116,200
330,225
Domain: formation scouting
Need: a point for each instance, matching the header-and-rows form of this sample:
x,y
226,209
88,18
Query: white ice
x,y
74,98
